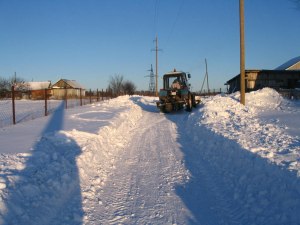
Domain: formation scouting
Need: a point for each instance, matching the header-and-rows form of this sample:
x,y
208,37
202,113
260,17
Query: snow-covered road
x,y
141,190
123,162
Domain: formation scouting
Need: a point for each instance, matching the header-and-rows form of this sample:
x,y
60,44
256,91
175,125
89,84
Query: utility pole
x,y
242,52
205,78
156,66
206,74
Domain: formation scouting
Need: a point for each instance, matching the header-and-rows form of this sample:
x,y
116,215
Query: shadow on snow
x,y
145,105
231,185
47,190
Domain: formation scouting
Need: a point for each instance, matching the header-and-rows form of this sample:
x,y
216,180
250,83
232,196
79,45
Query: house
x,y
69,88
32,90
37,89
286,76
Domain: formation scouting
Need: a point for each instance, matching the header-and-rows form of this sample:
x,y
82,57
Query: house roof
x,y
38,85
72,83
289,64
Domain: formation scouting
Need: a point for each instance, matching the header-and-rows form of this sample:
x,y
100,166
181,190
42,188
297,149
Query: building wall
x,y
61,93
295,67
277,79
257,79
39,94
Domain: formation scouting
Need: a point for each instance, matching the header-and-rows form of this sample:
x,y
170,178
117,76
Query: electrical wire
x,y
155,17
175,21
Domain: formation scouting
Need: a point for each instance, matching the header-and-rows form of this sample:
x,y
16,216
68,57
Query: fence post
x,y
90,96
46,108
66,97
102,94
80,96
13,103
97,95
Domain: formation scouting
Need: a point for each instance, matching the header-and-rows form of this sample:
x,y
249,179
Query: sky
x,y
91,40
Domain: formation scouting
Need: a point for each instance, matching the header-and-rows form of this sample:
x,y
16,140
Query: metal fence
x,y
19,106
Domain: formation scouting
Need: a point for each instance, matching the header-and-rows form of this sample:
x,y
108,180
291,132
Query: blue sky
x,y
91,40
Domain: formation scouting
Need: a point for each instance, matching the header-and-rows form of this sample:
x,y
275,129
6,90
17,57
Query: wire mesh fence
x,y
20,106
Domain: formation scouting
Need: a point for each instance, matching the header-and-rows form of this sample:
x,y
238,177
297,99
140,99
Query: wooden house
x,y
32,90
286,76
37,90
67,88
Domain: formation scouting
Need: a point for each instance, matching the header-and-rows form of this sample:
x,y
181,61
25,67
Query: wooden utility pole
x,y
242,52
13,103
156,67
46,104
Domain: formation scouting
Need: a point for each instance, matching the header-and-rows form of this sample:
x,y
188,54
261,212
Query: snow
x,y
122,162
38,85
25,110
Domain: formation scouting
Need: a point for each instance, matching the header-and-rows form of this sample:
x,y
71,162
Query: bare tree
x,y
7,83
4,84
129,87
116,84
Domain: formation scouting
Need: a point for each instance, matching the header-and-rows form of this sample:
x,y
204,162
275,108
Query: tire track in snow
x,y
151,180
142,190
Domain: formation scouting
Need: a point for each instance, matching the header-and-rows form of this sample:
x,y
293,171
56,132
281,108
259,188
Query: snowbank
x,y
226,116
261,100
255,162
57,181
240,168
99,151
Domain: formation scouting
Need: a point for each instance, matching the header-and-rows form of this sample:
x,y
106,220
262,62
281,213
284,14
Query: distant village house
x,y
32,90
69,88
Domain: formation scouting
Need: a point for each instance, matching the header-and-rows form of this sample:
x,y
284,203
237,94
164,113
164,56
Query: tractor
x,y
175,94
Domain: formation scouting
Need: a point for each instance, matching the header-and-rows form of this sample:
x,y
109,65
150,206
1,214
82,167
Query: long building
x,y
286,76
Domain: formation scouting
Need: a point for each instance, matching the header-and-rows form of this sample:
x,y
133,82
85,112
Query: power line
x,y
175,21
155,16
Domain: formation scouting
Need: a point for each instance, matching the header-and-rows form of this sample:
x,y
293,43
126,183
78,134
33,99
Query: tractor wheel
x,y
189,104
168,108
194,101
162,109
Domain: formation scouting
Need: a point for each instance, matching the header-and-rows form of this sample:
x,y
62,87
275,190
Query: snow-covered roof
x,y
72,83
38,85
287,65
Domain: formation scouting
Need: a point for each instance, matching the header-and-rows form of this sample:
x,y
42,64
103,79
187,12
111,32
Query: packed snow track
x,y
123,162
